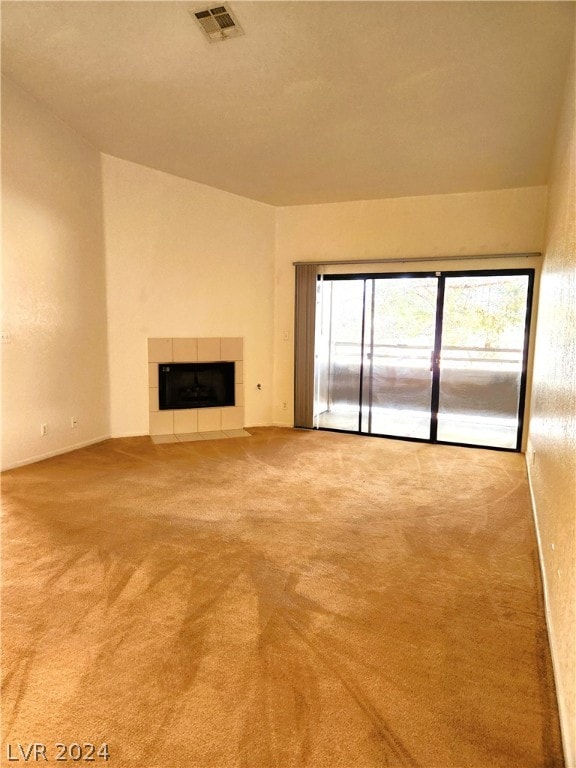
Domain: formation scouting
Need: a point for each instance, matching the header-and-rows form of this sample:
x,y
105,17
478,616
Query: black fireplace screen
x,y
195,385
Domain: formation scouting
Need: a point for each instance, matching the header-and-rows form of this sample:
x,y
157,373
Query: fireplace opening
x,y
195,385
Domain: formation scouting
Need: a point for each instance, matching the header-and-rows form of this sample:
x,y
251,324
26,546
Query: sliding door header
x,y
406,259
436,273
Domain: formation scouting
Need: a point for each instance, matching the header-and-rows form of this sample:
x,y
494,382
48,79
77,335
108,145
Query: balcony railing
x,y
472,378
419,355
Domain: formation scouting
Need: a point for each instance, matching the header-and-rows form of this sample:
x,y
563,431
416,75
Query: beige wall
x,y
184,259
503,221
53,285
551,455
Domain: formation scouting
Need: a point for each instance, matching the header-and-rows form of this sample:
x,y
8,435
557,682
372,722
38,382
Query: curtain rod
x,y
536,254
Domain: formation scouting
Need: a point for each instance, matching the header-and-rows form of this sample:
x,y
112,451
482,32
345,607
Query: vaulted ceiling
x,y
317,102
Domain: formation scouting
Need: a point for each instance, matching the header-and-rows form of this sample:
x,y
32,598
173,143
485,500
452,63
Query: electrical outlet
x,y
43,429
284,406
6,337
73,422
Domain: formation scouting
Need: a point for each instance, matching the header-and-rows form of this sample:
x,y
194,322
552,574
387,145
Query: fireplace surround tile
x,y
232,349
185,350
239,372
153,375
185,421
162,423
208,350
232,418
210,419
153,398
160,350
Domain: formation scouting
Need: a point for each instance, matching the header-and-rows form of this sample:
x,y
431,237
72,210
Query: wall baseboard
x,y
562,710
129,434
57,452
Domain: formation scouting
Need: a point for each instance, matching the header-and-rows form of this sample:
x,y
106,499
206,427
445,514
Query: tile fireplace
x,y
195,386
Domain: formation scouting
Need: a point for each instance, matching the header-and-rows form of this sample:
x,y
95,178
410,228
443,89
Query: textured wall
x,y
184,259
503,221
552,443
54,301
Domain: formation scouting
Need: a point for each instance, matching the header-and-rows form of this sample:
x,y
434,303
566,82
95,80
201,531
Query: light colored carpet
x,y
291,599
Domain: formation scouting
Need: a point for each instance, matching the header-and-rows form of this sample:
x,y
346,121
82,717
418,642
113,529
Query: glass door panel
x,y
399,324
482,359
340,311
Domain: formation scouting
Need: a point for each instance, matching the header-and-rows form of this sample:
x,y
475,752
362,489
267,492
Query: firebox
x,y
195,385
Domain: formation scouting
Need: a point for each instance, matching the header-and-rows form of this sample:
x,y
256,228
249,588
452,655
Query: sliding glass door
x,y
427,356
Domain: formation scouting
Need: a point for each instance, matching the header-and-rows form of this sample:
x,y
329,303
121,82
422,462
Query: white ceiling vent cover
x,y
217,22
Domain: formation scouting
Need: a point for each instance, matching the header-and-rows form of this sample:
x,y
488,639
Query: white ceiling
x,y
318,102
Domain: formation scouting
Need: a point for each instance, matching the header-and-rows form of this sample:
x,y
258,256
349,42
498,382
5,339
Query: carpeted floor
x,y
290,599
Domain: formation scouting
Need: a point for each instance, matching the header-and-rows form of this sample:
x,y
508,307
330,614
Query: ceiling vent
x,y
217,23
